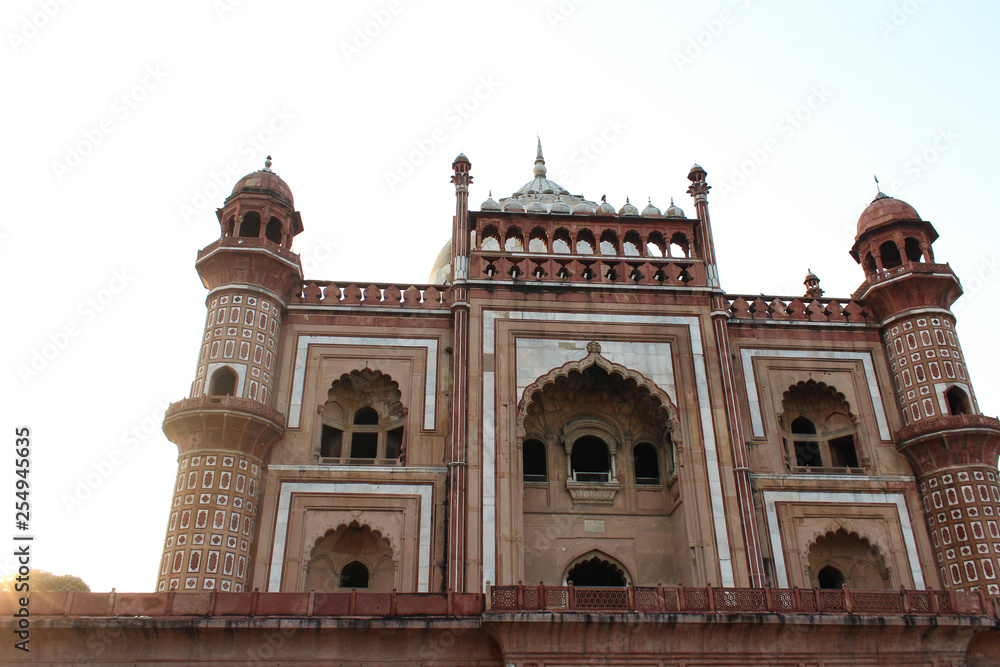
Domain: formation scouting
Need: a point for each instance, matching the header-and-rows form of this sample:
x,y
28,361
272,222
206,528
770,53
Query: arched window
x,y
831,577
538,242
354,575
534,459
491,239
632,244
820,428
869,264
514,241
596,571
362,421
223,382
609,243
585,243
273,231
679,246
230,226
250,227
590,460
656,245
889,252
912,248
561,242
647,467
958,401
366,416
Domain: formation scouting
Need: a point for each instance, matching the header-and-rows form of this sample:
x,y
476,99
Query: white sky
x,y
889,82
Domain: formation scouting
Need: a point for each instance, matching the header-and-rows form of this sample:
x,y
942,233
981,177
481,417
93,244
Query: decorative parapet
x,y
376,295
773,308
945,424
709,600
226,403
531,268
244,242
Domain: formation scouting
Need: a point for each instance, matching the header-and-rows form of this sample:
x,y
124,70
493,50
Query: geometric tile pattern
x,y
241,328
962,506
212,523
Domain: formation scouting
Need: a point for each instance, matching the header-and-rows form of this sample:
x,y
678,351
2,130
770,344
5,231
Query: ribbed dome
x,y
583,208
559,207
515,206
674,211
884,210
536,207
650,211
265,179
489,205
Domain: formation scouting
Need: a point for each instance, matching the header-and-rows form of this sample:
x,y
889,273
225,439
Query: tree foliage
x,y
41,581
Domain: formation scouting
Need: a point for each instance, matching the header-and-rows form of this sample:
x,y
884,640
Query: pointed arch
x,y
594,358
856,557
598,563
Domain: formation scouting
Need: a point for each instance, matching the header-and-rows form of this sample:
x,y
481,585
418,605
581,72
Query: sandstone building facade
x,y
574,399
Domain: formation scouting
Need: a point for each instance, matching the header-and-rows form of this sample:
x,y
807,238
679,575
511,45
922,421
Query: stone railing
x,y
244,242
532,268
247,604
889,274
797,309
226,403
709,600
380,295
946,423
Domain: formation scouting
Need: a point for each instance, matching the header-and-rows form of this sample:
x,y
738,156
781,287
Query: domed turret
x,y
650,210
490,204
261,207
605,208
884,210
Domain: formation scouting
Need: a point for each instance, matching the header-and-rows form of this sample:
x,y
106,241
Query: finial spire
x,y
267,163
539,169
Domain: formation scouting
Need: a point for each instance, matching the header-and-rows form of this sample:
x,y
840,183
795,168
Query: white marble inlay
x,y
424,491
771,498
704,409
757,421
302,355
538,356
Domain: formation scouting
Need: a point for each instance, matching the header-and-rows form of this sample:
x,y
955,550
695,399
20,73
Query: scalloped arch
x,y
594,358
871,545
819,386
378,532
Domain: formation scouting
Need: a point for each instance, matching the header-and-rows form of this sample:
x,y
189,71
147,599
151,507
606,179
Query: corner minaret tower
x,y
952,447
225,429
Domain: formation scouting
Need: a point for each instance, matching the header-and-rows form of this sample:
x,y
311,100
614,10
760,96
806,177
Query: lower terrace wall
x,y
522,626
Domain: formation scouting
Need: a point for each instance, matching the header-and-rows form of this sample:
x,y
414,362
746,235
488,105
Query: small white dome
x,y
605,209
628,209
559,207
514,206
489,205
536,207
674,211
583,208
651,211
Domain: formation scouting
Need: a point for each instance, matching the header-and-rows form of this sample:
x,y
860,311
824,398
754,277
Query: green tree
x,y
41,581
